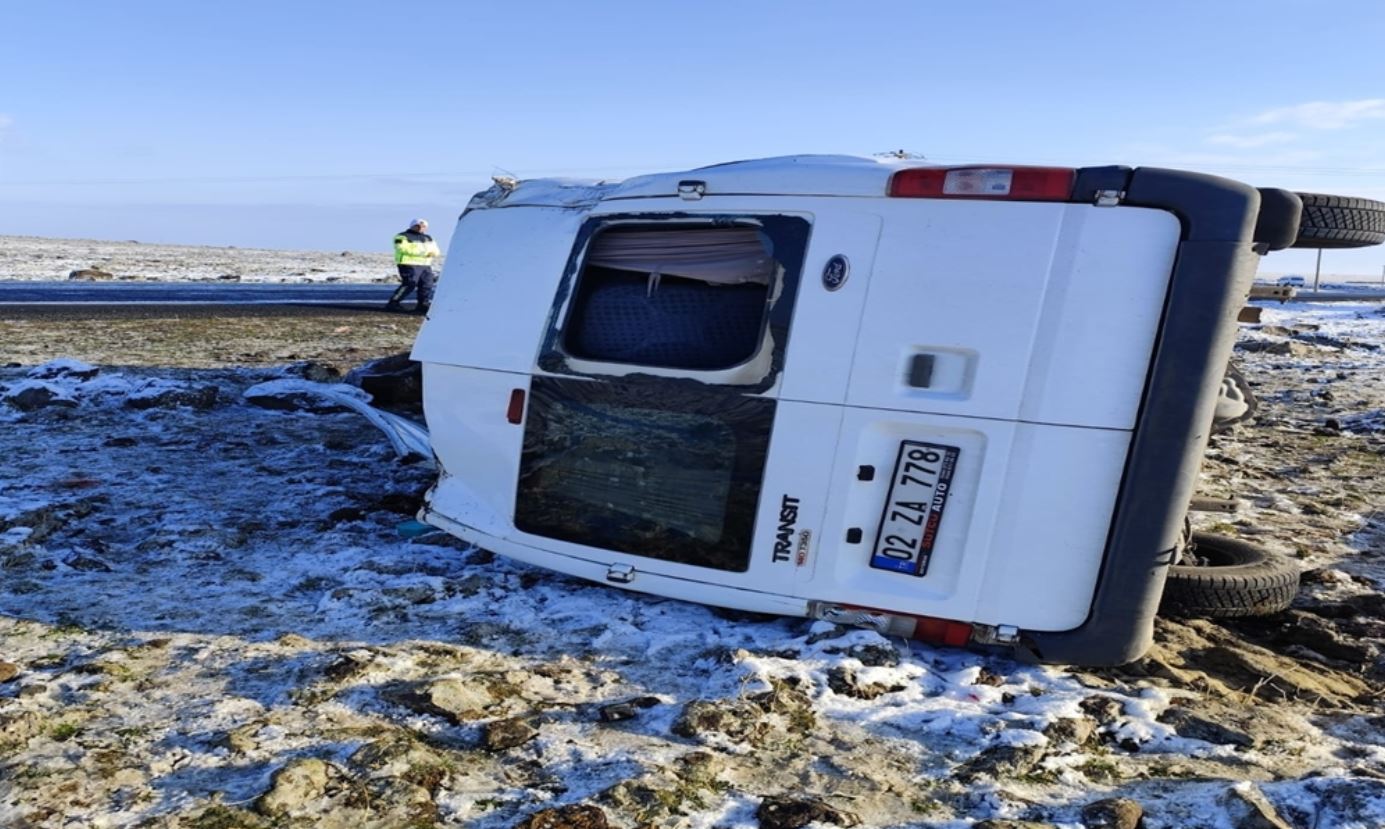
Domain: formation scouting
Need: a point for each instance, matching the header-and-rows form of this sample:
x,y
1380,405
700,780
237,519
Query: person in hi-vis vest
x,y
414,253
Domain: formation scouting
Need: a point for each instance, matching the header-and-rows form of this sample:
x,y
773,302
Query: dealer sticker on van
x,y
914,509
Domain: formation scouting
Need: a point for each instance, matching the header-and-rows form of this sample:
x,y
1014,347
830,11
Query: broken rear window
x,y
673,296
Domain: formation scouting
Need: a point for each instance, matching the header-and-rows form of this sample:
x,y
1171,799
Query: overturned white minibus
x,y
961,404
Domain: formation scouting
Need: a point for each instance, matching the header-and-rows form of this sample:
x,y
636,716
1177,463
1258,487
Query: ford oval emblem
x,y
835,272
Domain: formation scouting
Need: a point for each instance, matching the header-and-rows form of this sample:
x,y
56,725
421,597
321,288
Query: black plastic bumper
x,y
1211,278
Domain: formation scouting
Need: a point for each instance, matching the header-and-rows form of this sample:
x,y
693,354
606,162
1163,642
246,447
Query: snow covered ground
x,y
35,258
211,618
38,258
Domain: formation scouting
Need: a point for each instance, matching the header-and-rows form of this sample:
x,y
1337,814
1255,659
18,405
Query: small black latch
x,y
921,371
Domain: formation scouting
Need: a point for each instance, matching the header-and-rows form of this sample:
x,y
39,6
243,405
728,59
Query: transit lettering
x,y
783,539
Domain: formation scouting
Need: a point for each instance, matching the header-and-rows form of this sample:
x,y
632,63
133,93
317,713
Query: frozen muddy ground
x,y
256,336
209,619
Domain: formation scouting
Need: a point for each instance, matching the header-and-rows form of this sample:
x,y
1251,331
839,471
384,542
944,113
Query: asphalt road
x,y
98,294
1338,296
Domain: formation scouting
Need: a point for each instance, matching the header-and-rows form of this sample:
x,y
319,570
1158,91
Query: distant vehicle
x,y
963,404
1292,281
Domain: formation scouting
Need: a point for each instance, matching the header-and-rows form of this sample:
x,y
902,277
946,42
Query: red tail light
x,y
515,413
1009,183
945,631
922,628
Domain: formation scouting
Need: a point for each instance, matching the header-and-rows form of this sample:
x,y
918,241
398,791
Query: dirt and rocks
x,y
245,336
209,617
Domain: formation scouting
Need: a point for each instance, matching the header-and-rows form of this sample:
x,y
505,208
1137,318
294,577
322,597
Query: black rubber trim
x,y
1211,277
1276,227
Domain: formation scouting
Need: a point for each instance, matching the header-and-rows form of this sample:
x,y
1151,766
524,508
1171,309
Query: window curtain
x,y
719,255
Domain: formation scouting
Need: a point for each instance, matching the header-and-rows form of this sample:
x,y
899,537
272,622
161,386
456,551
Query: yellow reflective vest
x,y
414,248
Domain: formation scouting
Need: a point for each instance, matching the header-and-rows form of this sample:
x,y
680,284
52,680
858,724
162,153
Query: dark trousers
x,y
415,277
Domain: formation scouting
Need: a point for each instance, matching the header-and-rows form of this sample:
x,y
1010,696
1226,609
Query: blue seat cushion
x,y
682,323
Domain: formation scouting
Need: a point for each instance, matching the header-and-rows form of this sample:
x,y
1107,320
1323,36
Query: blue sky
x,y
326,125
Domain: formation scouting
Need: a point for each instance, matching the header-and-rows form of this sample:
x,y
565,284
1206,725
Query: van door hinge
x,y
692,190
1108,198
620,573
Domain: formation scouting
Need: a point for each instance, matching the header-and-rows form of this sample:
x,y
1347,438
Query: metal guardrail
x,y
1288,293
1283,293
1340,296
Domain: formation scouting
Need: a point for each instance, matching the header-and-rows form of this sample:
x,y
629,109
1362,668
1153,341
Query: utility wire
x,y
444,174
594,171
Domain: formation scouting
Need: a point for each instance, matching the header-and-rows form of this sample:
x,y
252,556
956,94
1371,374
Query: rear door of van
x,y
659,439
997,374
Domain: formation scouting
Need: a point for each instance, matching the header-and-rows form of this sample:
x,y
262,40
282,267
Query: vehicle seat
x,y
624,317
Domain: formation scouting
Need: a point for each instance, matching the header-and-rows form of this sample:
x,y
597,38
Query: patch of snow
x,y
59,392
61,366
289,386
34,258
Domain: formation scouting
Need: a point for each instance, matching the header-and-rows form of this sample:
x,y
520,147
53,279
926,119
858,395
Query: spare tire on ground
x,y
1340,222
1219,577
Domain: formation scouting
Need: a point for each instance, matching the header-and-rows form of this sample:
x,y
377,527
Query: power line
x,y
445,174
596,171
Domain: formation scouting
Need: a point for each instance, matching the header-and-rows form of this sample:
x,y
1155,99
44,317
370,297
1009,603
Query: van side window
x,y
673,296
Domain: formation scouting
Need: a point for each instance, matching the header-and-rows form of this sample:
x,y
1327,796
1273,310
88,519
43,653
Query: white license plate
x,y
914,508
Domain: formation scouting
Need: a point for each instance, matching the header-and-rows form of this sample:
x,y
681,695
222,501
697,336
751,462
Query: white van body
x,y
959,373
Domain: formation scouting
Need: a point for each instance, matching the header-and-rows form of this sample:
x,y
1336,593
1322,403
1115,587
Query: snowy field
x,y
30,258
209,618
34,258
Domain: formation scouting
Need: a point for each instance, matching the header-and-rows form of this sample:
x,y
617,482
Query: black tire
x,y
1232,578
1340,222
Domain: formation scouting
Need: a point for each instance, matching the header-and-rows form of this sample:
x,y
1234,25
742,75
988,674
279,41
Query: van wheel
x,y
1222,577
1340,222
